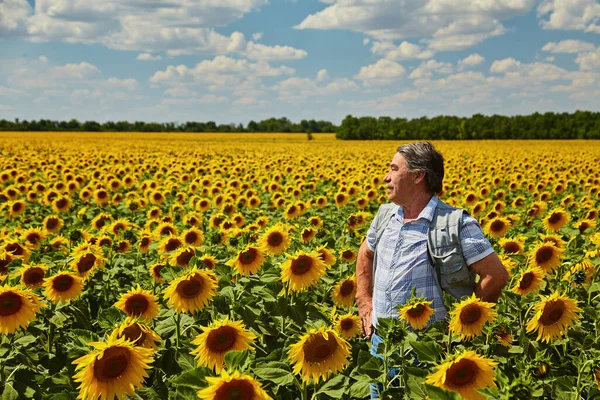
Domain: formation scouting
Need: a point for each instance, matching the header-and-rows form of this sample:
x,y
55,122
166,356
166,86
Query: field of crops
x,y
221,266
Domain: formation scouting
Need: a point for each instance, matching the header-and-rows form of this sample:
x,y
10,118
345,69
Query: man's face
x,y
400,182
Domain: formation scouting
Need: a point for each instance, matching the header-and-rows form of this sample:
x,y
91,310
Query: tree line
x,y
267,125
577,125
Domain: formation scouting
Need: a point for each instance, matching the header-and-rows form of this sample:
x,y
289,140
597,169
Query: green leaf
x,y
427,351
373,368
278,376
25,340
360,389
194,378
58,319
334,387
416,388
9,393
435,393
238,360
515,350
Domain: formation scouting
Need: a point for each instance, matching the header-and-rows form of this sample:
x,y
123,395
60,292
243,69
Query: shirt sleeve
x,y
475,245
372,233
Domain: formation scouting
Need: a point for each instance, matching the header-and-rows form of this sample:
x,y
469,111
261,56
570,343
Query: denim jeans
x,y
377,388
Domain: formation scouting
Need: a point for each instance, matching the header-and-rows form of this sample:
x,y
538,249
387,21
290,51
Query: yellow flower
x,y
137,333
192,291
114,369
556,219
348,325
554,315
326,255
193,237
32,276
470,315
247,261
139,303
234,386
319,353
530,281
182,256
417,313
348,255
344,292
63,286
217,340
275,240
17,308
302,270
512,245
465,374
545,256
497,227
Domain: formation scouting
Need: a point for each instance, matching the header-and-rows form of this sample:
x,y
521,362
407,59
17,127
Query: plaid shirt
x,y
403,261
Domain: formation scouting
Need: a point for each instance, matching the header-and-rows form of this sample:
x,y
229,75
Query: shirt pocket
x,y
453,269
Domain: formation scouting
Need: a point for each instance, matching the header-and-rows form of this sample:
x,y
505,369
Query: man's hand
x,y
365,309
364,298
492,278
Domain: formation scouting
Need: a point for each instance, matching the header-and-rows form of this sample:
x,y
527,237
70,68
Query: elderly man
x,y
398,255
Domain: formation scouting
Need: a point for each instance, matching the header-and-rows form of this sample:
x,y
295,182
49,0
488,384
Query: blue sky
x,y
238,60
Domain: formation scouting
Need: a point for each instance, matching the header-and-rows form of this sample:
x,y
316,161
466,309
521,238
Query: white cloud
x,y
10,92
582,15
404,51
13,18
251,102
589,61
257,51
501,66
470,60
568,46
322,75
148,57
257,36
549,59
427,68
128,84
298,90
180,91
82,70
450,24
366,41
43,59
382,72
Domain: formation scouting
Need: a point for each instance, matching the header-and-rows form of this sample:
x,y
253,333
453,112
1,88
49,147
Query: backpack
x,y
443,247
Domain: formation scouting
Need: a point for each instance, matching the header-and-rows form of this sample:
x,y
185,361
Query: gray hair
x,y
423,157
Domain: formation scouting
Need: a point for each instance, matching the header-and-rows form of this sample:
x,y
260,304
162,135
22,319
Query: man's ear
x,y
420,177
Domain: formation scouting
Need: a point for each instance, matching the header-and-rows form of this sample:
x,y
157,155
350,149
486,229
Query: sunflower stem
x,y
50,329
177,319
304,390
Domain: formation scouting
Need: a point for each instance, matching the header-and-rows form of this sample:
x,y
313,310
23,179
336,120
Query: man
x,y
402,259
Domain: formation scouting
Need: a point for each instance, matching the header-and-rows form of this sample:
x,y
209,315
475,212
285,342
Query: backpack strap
x,y
384,216
445,252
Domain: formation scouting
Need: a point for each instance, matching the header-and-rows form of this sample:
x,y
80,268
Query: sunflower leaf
x,y
334,387
427,351
360,389
194,378
436,393
278,376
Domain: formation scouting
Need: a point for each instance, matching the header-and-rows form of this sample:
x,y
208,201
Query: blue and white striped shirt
x,y
403,262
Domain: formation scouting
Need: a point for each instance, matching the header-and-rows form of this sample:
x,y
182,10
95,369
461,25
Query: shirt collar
x,y
426,213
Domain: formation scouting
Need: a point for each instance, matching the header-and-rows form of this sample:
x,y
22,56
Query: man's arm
x,y
364,296
492,278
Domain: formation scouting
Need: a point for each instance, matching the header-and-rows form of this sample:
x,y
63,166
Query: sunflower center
x,y
346,324
191,237
248,256
33,276
543,254
301,265
51,224
17,207
317,349
62,203
416,311
236,389
33,238
136,304
86,262
554,218
497,226
553,311
185,257
275,239
62,283
15,249
190,288
347,254
145,242
134,334
470,314
511,248
10,303
113,363
172,244
347,288
221,339
462,373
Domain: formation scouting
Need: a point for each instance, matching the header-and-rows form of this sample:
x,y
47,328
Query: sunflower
x,y
416,312
137,333
32,276
275,240
530,281
470,315
556,219
302,270
497,227
292,211
344,291
217,340
5,259
182,256
319,353
61,204
100,221
512,245
348,325
101,197
33,237
209,262
192,291
52,224
13,247
86,261
119,226
193,237
555,240
464,374
114,369
315,222
326,255
584,225
145,241
169,244
16,207
307,234
247,261
348,255
341,199
139,303
555,314
545,256
63,286
17,308
165,229
580,273
234,386
503,336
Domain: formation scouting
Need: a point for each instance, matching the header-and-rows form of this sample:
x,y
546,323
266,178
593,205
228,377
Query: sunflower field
x,y
222,266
